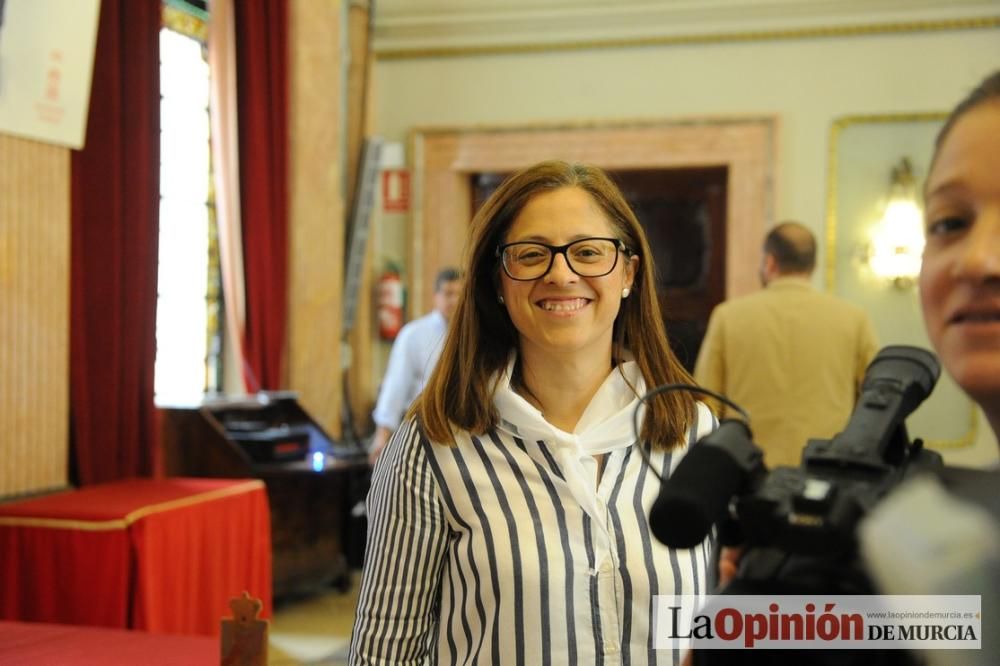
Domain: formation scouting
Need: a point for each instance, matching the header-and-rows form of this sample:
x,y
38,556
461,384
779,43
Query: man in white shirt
x,y
413,356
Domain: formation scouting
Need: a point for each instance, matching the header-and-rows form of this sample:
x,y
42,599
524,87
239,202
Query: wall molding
x,y
443,158
449,28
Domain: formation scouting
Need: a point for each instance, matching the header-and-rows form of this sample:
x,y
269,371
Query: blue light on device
x,y
318,460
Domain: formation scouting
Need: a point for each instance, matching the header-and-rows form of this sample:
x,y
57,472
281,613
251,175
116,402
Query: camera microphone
x,y
697,494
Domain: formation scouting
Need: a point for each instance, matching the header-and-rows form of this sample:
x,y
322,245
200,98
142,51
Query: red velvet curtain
x,y
262,101
115,224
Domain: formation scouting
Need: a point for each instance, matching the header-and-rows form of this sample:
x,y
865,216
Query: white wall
x,y
806,83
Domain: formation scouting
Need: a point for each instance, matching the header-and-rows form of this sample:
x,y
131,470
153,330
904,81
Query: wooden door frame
x,y
443,158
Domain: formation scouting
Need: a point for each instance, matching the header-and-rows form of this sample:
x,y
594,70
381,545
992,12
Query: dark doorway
x,y
683,212
483,185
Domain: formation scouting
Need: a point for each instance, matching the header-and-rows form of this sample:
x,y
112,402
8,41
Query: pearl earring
x,y
625,292
500,298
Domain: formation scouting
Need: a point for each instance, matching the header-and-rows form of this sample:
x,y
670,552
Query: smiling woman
x,y
509,514
952,549
563,307
960,276
553,201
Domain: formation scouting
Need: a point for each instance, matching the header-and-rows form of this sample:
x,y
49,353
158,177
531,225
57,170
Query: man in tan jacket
x,y
793,357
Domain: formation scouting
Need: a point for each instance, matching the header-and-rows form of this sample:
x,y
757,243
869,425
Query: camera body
x,y
814,509
799,524
799,527
808,516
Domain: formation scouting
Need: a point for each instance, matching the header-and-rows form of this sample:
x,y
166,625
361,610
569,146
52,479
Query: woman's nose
x,y
979,256
559,271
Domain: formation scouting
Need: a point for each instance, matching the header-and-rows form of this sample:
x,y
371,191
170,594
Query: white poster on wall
x,y
46,64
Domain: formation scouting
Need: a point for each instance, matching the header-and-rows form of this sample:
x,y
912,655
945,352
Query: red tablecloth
x,y
161,555
31,643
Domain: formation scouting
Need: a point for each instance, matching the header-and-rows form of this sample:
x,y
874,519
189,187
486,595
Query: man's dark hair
x,y
793,247
449,274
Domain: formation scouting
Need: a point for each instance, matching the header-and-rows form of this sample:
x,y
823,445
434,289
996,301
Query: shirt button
x,y
606,567
611,648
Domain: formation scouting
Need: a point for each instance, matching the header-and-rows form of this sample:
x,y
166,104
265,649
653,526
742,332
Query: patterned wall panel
x,y
316,228
34,315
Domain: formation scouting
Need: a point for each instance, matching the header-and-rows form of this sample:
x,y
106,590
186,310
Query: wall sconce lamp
x,y
897,243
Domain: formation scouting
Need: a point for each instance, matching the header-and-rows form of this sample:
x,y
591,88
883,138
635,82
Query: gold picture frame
x,y
839,125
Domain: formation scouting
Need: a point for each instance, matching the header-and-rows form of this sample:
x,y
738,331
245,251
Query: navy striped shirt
x,y
507,549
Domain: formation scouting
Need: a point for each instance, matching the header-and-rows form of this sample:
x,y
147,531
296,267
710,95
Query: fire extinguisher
x,y
390,304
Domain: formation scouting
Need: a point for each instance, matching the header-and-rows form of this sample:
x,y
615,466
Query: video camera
x,y
799,524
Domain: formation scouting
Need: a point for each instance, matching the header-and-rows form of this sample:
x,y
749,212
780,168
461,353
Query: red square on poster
x,y
395,191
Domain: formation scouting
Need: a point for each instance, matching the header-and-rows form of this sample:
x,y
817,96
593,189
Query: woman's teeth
x,y
564,305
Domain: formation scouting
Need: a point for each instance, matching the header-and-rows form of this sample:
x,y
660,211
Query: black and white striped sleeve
x,y
398,605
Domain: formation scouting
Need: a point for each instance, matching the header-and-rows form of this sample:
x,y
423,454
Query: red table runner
x,y
35,643
161,555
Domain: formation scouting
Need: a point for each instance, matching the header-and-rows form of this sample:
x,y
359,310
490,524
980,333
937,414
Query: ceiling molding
x,y
407,29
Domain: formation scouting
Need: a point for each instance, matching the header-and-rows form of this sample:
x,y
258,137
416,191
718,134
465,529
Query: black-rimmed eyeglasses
x,y
587,257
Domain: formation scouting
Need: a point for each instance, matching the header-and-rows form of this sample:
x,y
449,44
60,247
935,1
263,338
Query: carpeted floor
x,y
313,630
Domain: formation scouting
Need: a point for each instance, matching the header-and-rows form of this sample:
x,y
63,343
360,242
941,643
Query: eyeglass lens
x,y
587,257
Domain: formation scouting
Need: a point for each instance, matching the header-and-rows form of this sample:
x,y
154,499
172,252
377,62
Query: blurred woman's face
x,y
960,277
562,312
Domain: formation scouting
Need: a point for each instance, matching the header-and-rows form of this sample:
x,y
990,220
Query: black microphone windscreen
x,y
695,496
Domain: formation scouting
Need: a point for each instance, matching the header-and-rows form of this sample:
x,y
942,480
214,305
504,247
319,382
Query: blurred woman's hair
x,y
988,90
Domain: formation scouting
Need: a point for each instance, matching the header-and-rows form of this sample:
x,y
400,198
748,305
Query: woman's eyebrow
x,y
949,186
532,239
545,239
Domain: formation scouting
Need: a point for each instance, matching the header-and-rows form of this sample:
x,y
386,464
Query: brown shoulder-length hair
x,y
481,336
